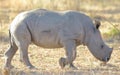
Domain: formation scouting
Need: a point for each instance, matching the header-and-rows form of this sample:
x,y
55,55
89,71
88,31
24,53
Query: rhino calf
x,y
50,29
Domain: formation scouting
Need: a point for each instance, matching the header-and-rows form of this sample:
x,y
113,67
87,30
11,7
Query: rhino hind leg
x,y
23,48
70,47
9,55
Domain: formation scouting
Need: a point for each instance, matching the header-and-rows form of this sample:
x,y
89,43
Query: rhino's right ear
x,y
97,23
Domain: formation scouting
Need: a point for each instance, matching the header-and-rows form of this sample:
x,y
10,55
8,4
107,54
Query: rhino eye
x,y
102,46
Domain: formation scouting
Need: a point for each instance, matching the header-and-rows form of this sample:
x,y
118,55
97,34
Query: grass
x,y
46,60
113,32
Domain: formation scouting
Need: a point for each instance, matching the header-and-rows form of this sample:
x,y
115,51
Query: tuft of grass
x,y
114,32
112,35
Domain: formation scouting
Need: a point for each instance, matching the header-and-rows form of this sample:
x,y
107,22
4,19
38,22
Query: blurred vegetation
x,y
104,10
113,32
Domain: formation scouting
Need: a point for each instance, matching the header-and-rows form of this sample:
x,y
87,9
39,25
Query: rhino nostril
x,y
107,58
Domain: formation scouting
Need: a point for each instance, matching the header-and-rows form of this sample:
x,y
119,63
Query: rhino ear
x,y
97,23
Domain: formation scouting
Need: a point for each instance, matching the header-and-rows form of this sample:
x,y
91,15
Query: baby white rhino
x,y
50,29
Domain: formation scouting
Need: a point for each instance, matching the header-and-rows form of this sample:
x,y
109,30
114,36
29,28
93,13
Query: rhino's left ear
x,y
97,23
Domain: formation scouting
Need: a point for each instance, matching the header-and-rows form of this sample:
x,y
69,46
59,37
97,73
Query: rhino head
x,y
96,44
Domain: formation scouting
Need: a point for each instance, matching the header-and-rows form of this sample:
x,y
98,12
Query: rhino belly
x,y
47,39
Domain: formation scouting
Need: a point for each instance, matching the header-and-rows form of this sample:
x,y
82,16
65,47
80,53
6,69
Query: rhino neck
x,y
87,36
88,39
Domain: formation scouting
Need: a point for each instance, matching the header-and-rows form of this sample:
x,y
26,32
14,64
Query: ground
x,y
46,60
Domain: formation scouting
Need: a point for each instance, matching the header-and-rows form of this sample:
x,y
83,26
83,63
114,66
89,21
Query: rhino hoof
x,y
72,67
31,67
62,62
8,67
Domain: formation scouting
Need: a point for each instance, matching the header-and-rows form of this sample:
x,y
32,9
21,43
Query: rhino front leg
x,y
70,47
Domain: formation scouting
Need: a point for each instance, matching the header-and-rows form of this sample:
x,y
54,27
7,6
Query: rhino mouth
x,y
106,59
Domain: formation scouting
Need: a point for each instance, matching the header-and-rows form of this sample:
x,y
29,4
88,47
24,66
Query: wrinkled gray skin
x,y
50,29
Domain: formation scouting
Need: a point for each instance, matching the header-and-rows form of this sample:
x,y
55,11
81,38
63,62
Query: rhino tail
x,y
11,40
10,37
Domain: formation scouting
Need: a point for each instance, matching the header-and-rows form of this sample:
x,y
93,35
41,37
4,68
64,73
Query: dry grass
x,y
46,60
